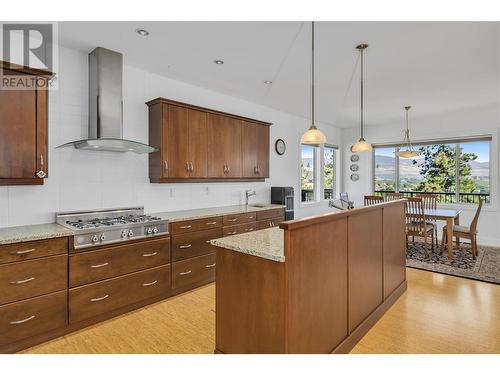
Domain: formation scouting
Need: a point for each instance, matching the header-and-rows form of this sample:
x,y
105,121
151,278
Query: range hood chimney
x,y
106,106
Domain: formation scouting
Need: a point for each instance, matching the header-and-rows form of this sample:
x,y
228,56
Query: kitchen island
x,y
314,285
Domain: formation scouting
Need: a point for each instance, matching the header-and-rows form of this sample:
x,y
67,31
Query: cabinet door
x,y
262,150
198,143
18,140
224,146
249,149
178,142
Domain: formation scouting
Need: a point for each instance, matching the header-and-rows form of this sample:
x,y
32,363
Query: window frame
x,y
457,142
319,178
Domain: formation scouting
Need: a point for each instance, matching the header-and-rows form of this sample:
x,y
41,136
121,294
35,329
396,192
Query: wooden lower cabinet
x,y
193,271
32,278
102,297
91,266
189,245
16,252
31,317
239,229
269,223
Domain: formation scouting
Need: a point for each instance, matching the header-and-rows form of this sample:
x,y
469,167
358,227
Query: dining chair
x,y
462,231
393,196
430,203
416,223
373,199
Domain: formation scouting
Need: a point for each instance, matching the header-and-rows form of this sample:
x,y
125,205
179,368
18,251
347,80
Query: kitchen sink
x,y
261,205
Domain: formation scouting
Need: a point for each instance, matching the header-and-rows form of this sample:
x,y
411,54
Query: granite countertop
x,y
202,213
32,232
265,243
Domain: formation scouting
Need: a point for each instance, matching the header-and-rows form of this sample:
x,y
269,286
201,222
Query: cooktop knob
x,y
150,230
124,234
130,233
95,238
155,230
103,237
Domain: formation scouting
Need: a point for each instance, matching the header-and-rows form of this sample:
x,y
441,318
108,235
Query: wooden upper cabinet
x,y
255,150
224,146
187,142
23,130
199,144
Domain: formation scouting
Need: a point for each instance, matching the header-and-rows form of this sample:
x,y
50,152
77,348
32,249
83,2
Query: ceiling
x,y
437,67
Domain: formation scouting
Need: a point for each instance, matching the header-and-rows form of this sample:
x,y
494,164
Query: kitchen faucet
x,y
248,194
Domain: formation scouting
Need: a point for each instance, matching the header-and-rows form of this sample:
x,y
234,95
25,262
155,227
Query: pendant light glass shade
x,y
406,150
313,136
361,145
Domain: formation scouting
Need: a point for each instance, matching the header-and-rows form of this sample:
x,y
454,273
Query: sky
x,y
481,149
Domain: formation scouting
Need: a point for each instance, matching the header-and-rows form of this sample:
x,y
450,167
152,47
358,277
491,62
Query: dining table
x,y
451,217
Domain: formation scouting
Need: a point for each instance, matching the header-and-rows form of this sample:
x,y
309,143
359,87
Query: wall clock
x,y
354,177
354,158
354,167
280,146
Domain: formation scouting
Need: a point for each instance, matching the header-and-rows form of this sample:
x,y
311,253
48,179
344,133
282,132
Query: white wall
x,y
469,122
87,179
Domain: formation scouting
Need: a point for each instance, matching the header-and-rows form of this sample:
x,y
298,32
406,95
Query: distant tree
x,y
329,171
305,176
439,170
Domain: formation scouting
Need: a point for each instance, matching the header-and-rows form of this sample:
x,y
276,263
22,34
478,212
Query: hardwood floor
x,y
438,314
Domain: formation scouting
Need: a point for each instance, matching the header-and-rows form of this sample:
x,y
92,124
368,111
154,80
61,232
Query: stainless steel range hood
x,y
106,106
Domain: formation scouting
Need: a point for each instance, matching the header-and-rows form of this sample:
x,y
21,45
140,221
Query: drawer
x,y
193,244
238,229
32,278
194,225
104,296
269,223
33,249
192,271
269,214
35,316
96,265
239,218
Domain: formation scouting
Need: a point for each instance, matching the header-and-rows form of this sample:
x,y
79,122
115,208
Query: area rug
x,y
486,266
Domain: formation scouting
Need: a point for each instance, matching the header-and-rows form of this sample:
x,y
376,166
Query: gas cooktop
x,y
99,227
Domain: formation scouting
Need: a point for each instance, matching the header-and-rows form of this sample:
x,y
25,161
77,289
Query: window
x,y
328,172
308,173
457,170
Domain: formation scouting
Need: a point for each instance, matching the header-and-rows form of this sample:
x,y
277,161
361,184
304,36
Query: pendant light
x,y
313,136
361,145
406,150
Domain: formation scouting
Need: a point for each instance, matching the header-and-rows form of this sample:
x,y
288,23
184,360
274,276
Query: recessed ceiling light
x,y
142,32
219,62
267,82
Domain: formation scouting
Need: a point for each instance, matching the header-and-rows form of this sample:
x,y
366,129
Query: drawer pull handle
x,y
210,265
99,298
21,252
150,254
23,320
22,281
100,265
250,217
151,283
232,232
211,223
185,227
185,246
208,241
185,273
248,229
232,220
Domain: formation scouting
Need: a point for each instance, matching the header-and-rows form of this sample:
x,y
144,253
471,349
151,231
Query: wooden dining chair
x,y
462,231
373,199
416,223
393,196
430,203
